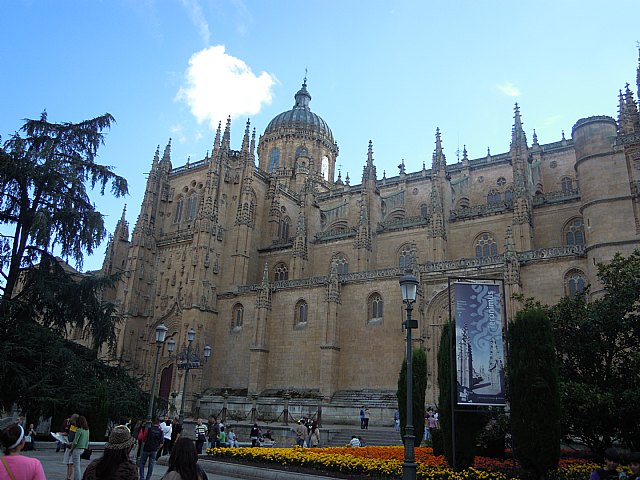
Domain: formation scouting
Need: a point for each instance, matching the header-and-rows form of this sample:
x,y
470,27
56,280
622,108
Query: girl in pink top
x,y
22,468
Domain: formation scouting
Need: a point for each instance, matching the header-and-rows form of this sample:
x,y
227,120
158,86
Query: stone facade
x,y
291,274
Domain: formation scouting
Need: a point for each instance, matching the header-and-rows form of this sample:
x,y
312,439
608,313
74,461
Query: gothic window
x,y
574,232
424,210
302,313
281,272
237,316
283,228
493,197
343,263
404,258
374,308
325,167
486,246
178,215
508,195
302,152
274,159
567,184
192,205
574,282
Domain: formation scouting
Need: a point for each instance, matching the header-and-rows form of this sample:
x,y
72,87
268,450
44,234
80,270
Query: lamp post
x,y
187,361
161,331
409,287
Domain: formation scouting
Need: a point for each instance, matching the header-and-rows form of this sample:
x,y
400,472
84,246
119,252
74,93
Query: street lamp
x,y
409,288
161,331
188,361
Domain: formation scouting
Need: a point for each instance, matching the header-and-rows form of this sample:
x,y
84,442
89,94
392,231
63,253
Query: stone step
x,y
371,437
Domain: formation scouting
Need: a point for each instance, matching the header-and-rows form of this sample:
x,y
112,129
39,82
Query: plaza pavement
x,y
55,470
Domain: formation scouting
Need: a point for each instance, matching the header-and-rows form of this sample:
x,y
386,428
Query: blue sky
x,y
387,71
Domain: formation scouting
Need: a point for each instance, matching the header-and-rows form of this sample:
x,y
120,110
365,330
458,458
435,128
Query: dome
x,y
300,116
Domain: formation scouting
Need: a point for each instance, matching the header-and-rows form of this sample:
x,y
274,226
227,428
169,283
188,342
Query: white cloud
x,y
177,132
219,85
509,89
198,19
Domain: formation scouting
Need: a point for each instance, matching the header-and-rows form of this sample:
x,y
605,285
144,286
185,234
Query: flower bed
x,y
386,462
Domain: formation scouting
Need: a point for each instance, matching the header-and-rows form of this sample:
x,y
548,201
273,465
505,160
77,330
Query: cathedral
x,y
289,272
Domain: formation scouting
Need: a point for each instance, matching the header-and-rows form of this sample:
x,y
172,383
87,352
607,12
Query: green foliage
x,y
534,392
46,170
44,173
47,375
419,365
468,423
599,360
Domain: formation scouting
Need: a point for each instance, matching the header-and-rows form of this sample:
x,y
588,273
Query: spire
x,y
165,163
245,139
632,109
535,137
122,227
216,142
226,138
369,172
439,162
252,147
465,157
156,157
518,137
302,97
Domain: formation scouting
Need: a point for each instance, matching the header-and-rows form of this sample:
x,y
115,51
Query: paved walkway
x,y
55,470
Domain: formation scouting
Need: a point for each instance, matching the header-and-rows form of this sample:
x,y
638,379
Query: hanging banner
x,y
479,346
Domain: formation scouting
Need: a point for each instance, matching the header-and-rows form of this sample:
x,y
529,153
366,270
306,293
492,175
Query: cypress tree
x,y
534,393
419,360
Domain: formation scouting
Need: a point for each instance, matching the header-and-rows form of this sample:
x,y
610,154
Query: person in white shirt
x,y
232,439
166,428
354,441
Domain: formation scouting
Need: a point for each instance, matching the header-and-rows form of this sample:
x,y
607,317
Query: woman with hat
x,y
13,465
115,463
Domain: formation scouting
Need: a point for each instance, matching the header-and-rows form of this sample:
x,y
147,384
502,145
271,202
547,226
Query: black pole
x,y
453,380
153,385
409,465
184,387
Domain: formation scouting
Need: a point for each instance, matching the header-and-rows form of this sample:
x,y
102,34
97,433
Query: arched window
x,y
342,262
486,246
574,232
574,282
283,228
192,206
424,210
274,159
281,272
325,167
302,152
508,195
375,306
404,258
566,184
178,215
302,313
237,316
463,202
493,197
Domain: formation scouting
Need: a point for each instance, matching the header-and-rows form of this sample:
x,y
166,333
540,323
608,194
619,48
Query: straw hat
x,y
120,438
